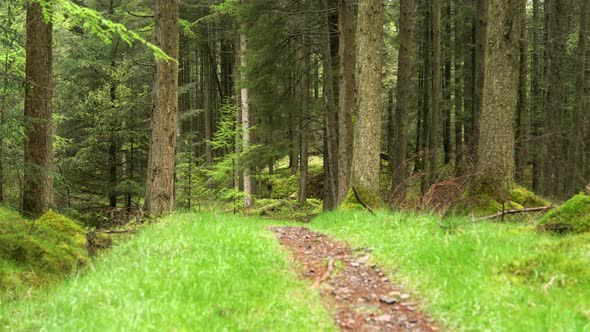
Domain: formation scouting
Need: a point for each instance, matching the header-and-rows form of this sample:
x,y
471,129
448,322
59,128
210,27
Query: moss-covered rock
x,y
572,216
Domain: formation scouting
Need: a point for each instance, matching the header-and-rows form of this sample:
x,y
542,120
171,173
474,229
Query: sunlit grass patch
x,y
478,276
203,272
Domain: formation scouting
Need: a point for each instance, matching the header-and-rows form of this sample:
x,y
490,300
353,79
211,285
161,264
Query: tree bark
x,y
520,156
347,53
447,88
162,154
458,88
435,109
38,184
404,90
479,58
557,31
495,167
576,132
536,97
367,138
248,186
304,123
331,122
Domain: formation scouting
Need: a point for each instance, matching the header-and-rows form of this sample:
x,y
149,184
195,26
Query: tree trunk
x,y
162,155
557,31
331,173
304,123
347,53
495,167
433,126
447,55
520,156
458,89
536,97
576,132
426,108
208,87
38,184
367,138
112,163
479,58
248,186
404,90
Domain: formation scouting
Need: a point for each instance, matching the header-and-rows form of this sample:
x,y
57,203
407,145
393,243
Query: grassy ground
x,y
478,277
192,272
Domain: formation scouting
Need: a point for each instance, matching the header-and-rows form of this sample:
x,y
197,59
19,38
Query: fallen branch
x,y
326,274
515,211
119,231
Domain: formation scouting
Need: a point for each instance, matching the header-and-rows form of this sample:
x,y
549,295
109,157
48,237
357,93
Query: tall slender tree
x,y
495,167
162,154
331,113
576,133
38,184
555,94
245,110
367,138
346,95
404,90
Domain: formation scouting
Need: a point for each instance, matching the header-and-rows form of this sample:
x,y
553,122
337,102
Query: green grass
x,y
191,272
478,277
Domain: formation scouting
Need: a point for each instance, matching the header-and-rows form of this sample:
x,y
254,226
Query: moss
x,y
526,198
482,205
288,209
368,198
572,216
562,264
283,187
37,252
479,203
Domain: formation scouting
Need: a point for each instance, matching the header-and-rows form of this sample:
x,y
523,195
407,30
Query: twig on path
x,y
515,211
326,274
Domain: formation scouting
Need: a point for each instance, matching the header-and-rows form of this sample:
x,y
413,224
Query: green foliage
x,y
283,187
287,209
35,253
479,276
572,216
208,272
96,24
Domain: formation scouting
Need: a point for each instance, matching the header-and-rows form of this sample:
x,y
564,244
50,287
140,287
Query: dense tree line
x,y
392,97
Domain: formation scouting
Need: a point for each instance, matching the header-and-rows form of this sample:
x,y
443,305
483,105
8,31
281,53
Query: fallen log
x,y
515,211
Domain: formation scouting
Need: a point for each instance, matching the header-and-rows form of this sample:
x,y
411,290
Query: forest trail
x,y
357,291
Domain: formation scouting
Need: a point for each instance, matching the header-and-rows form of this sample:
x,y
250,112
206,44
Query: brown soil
x,y
362,297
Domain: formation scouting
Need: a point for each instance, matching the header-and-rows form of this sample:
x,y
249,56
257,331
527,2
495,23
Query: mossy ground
x,y
37,253
572,216
482,204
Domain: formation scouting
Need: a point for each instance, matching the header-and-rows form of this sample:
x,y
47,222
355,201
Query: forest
x,y
294,165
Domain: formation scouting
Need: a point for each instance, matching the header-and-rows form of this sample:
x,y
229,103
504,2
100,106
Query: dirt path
x,y
360,295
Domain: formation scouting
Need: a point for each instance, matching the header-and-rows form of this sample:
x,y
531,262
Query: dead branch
x,y
515,211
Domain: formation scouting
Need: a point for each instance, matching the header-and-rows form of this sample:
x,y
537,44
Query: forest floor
x,y
358,292
219,272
